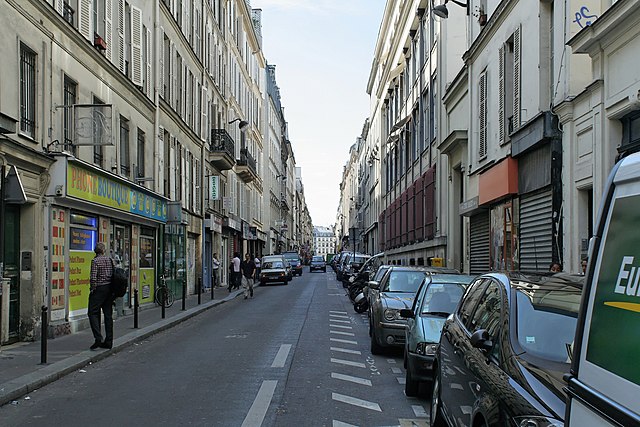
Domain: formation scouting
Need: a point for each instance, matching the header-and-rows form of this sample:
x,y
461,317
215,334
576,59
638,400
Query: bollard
x,y
212,286
135,308
199,290
44,335
164,301
184,294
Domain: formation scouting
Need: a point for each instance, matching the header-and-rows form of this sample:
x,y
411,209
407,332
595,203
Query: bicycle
x,y
164,294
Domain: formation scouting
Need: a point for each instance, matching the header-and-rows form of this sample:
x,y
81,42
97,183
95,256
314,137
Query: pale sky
x,y
322,50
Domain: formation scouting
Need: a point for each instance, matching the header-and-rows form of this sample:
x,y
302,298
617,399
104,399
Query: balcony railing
x,y
222,149
246,166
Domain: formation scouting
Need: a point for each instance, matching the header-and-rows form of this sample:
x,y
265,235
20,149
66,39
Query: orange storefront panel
x,y
499,181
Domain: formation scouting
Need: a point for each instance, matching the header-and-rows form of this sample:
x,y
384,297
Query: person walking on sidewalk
x,y
101,298
256,261
248,273
236,273
215,269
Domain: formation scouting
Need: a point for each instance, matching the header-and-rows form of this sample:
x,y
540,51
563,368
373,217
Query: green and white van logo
x,y
614,336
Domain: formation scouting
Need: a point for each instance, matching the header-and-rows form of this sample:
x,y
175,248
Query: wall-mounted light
x,y
442,11
243,125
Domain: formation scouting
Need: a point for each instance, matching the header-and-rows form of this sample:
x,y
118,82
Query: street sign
x,y
214,187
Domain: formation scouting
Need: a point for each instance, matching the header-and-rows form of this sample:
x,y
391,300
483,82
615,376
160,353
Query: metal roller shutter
x,y
479,244
536,231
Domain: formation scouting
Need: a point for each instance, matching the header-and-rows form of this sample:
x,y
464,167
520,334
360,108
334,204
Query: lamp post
x,y
442,11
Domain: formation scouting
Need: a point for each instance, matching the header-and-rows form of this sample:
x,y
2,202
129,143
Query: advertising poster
x,y
81,244
58,285
147,270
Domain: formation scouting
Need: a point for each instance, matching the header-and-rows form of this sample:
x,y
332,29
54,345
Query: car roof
x,y
553,281
272,256
452,278
426,269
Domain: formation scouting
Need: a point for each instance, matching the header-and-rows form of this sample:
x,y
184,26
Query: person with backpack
x,y
101,298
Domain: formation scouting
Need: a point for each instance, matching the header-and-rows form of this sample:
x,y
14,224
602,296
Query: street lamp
x,y
243,125
442,11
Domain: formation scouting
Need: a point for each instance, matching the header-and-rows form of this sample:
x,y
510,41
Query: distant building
x,y
324,241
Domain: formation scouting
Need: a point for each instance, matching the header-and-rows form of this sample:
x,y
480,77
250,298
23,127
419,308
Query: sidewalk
x,y
20,368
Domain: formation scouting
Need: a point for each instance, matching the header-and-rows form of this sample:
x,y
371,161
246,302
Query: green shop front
x,y
89,205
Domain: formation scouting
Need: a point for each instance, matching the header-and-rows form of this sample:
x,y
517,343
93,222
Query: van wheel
x,y
375,347
411,386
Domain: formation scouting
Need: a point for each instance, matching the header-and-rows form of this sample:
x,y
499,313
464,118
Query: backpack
x,y
119,281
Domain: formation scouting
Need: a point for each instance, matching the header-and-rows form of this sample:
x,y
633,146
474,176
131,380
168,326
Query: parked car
x,y
294,260
352,265
394,292
504,351
317,263
273,269
436,299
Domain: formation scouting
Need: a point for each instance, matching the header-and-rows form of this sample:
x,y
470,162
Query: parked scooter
x,y
360,304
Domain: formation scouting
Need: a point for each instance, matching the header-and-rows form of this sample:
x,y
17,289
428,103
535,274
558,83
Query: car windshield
x,y
441,298
546,321
272,264
383,269
317,258
404,281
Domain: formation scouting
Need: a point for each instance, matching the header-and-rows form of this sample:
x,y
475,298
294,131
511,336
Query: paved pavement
x,y
21,371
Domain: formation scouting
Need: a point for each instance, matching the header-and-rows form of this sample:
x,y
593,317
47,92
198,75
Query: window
x,y
99,17
27,91
124,147
474,292
488,313
482,115
70,90
98,149
140,155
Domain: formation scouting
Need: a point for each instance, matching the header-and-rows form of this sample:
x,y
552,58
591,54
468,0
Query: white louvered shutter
x,y
482,95
136,46
516,79
59,6
150,78
84,19
199,189
197,120
183,95
108,28
161,64
203,108
184,177
121,47
172,171
174,76
501,127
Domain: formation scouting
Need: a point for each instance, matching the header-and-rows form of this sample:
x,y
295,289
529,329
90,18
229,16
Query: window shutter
x,y
483,115
84,19
516,79
184,180
136,46
59,6
173,63
204,108
501,95
161,61
108,28
150,77
172,170
198,185
120,64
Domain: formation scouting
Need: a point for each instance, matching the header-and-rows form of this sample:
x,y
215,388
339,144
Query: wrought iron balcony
x,y
222,150
246,166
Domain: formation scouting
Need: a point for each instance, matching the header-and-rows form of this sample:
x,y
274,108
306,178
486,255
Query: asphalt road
x,y
295,355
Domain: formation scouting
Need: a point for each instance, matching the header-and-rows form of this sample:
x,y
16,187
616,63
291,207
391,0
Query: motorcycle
x,y
360,303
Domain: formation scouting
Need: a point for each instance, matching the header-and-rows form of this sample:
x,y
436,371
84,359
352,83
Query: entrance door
x,y
12,267
121,251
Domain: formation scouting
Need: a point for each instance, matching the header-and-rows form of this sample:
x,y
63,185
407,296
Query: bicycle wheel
x,y
170,298
158,295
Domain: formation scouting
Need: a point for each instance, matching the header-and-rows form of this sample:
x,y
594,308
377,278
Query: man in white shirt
x,y
215,268
236,275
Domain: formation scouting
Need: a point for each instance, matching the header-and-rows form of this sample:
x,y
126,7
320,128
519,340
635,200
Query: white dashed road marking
x,y
391,361
401,380
348,363
258,410
337,423
339,321
340,326
338,316
346,350
396,370
281,357
338,312
419,411
349,378
350,334
356,402
343,341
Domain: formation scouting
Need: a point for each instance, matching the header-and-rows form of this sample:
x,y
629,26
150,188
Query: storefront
x,y
89,205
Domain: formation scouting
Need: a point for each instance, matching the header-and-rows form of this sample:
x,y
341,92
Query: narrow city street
x,y
295,355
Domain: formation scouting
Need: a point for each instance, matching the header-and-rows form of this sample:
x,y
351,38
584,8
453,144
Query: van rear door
x,y
604,384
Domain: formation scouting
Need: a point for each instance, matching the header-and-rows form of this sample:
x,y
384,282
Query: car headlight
x,y
537,421
426,349
392,314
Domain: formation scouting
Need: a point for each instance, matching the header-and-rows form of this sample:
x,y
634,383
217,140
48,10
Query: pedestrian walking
x,y
236,273
215,269
256,261
101,298
248,273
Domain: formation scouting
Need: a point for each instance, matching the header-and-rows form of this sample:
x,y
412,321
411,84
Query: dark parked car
x,y
436,299
294,260
317,263
504,351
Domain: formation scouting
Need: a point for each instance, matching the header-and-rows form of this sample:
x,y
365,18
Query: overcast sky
x,y
322,50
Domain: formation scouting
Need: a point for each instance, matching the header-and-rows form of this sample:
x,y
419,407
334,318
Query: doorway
x,y
12,267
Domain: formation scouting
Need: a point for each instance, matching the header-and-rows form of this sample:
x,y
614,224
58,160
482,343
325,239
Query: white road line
x,y
339,316
343,341
401,380
281,357
396,370
346,350
357,380
338,312
466,410
349,334
419,411
258,410
348,363
337,423
356,402
341,326
339,321
391,361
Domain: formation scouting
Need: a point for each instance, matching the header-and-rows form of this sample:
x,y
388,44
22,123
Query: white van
x,y
604,383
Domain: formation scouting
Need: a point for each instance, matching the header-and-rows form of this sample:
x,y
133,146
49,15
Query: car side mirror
x,y
480,339
407,313
373,284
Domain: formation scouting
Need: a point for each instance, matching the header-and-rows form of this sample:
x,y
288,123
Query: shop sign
x,y
217,224
232,223
249,233
100,189
214,187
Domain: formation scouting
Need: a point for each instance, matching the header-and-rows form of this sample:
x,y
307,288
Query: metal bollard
x,y
212,286
164,302
184,294
135,308
44,335
199,290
